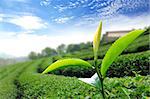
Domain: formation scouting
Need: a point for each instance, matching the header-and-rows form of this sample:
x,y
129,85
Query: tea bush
x,y
123,66
8,75
33,85
123,88
126,64
22,81
45,62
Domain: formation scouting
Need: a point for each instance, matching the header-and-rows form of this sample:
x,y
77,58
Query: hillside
x,y
23,80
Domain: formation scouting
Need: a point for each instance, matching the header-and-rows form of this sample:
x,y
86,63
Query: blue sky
x,y
31,25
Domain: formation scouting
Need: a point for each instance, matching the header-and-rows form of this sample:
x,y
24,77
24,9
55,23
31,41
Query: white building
x,y
113,35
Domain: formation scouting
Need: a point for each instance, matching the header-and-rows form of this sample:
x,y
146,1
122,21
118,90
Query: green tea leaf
x,y
125,92
65,63
96,40
116,49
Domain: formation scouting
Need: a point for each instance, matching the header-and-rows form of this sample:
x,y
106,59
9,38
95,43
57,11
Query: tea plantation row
x,y
124,65
23,82
7,80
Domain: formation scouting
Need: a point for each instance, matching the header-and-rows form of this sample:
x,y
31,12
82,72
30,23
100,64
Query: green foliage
x,y
45,63
124,65
76,71
32,55
7,80
21,81
133,87
47,52
116,49
33,85
61,49
71,48
52,86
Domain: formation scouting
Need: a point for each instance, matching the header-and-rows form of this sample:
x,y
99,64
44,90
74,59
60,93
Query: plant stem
x,y
102,88
100,77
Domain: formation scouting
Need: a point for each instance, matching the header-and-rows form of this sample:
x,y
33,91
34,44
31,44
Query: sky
x,y
32,25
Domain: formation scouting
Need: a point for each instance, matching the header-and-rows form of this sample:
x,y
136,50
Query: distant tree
x,y
82,46
32,55
39,55
85,45
89,44
73,48
61,49
48,52
78,47
147,30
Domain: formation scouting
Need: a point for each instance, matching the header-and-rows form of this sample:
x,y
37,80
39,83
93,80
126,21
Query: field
x,y
127,78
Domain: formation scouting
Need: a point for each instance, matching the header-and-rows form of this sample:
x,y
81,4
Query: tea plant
x,y
113,52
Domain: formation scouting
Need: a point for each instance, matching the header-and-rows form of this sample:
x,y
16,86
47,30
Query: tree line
x,y
60,50
63,49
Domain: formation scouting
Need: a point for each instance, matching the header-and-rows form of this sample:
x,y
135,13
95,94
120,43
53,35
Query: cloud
x,y
71,5
25,20
89,24
125,23
5,34
28,22
101,8
62,19
1,17
45,2
113,8
88,13
22,44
